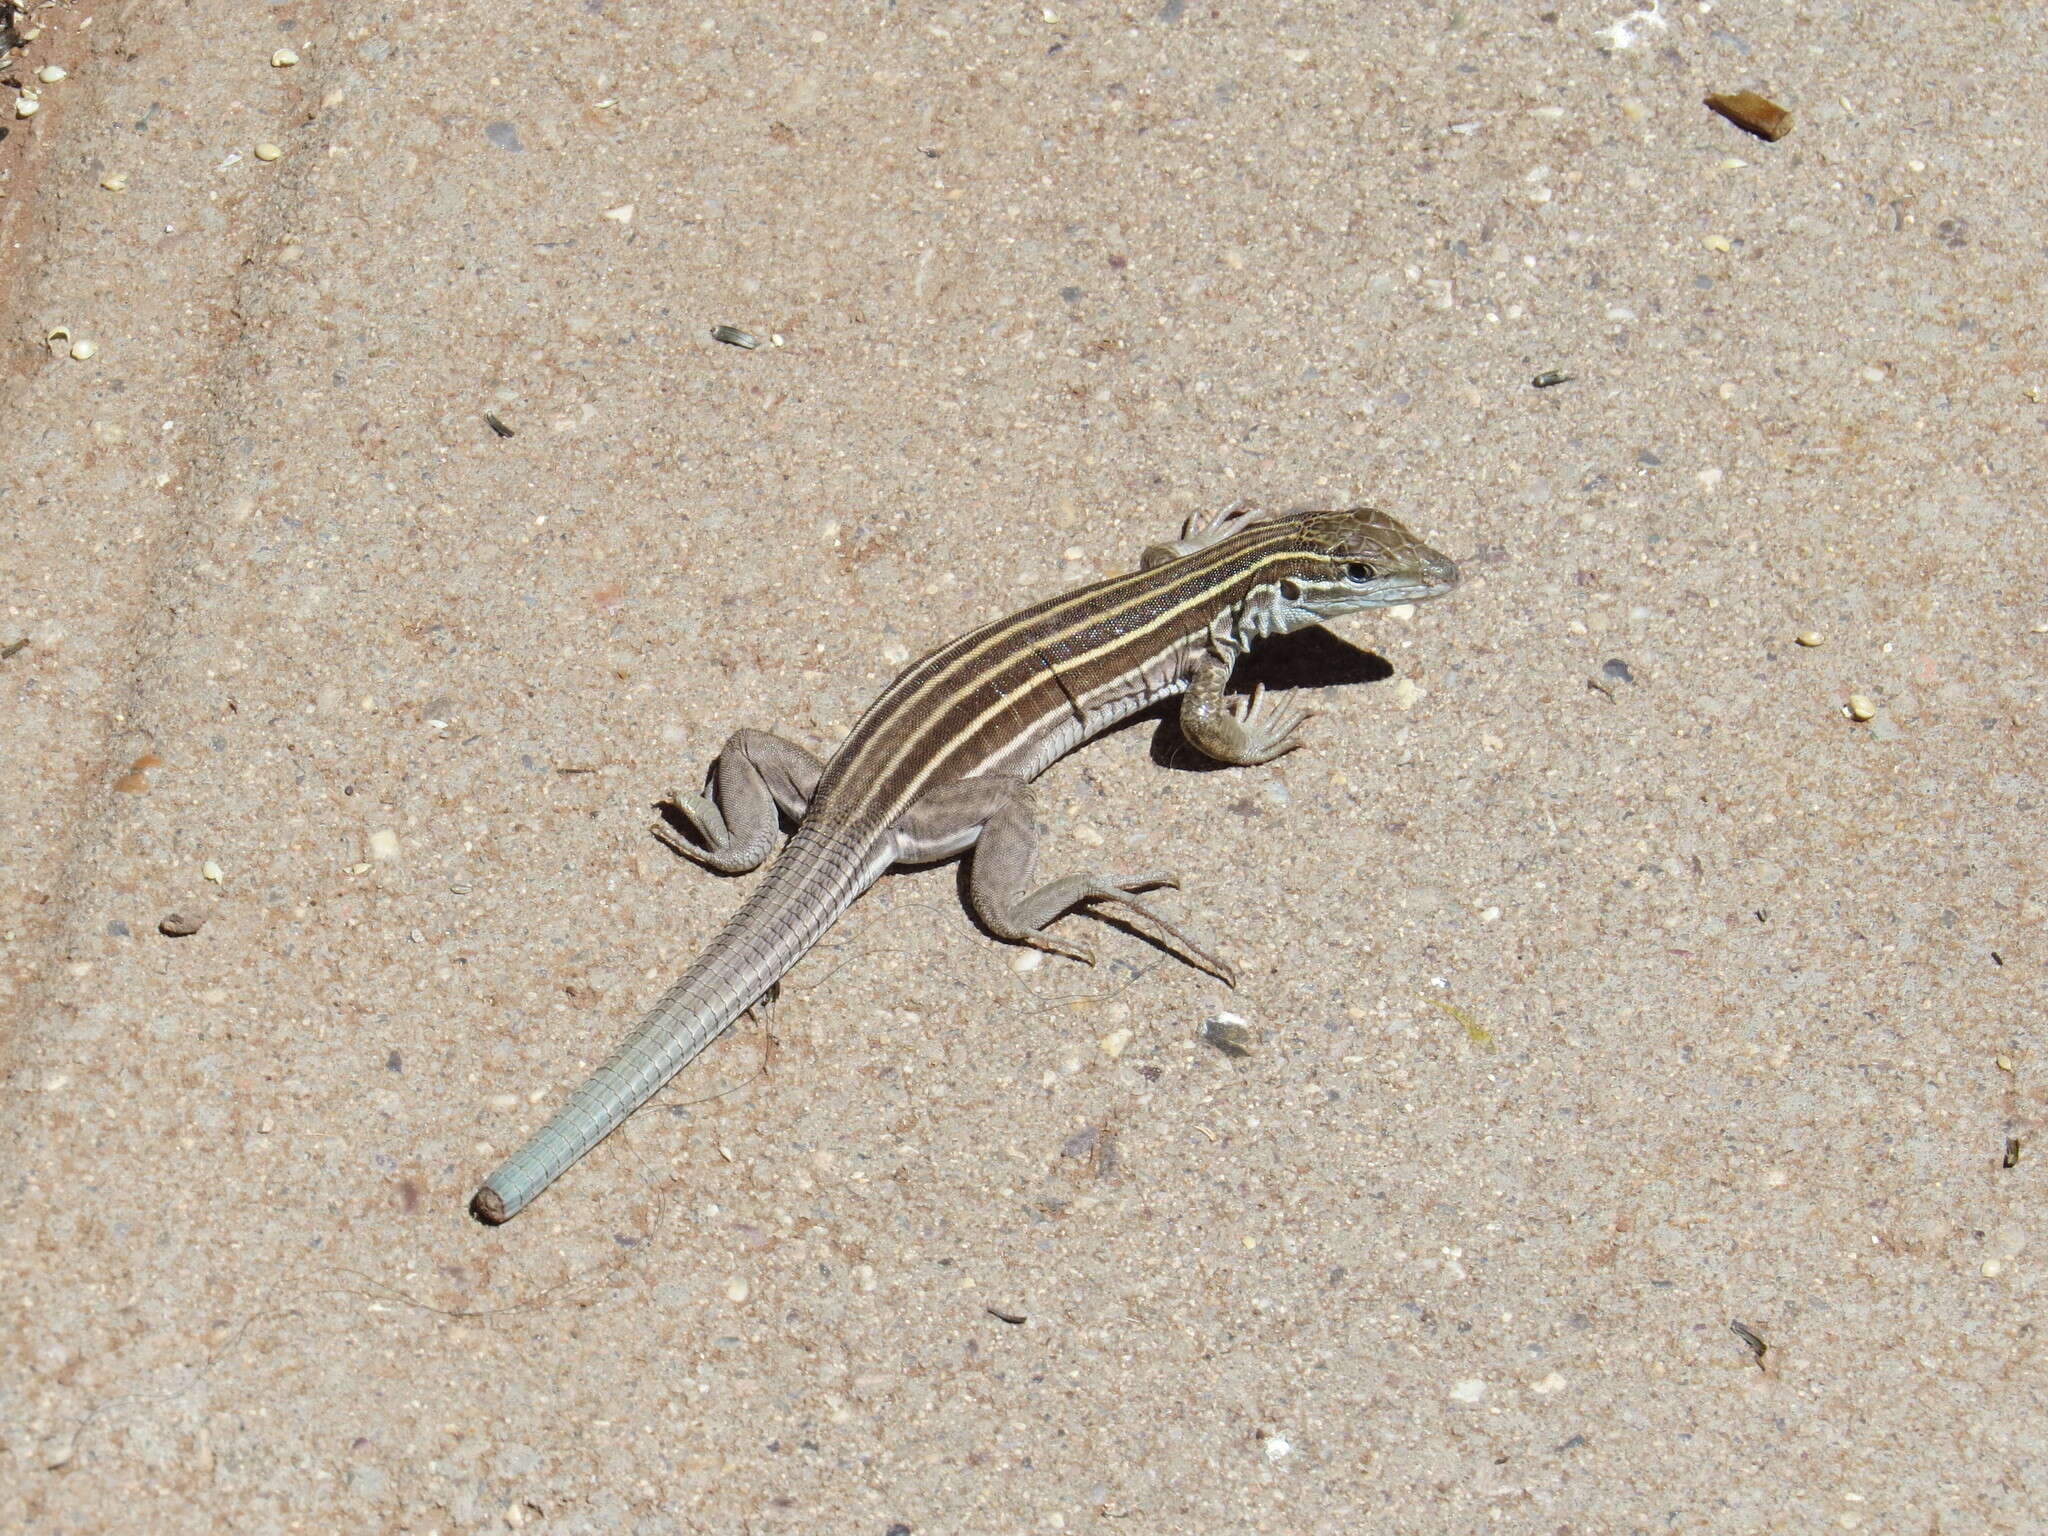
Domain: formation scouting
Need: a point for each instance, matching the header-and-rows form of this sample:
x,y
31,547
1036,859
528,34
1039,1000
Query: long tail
x,y
800,897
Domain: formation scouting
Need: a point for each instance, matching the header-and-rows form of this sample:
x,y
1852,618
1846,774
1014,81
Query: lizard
x,y
941,764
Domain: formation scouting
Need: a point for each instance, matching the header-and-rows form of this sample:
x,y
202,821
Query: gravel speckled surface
x,y
1605,984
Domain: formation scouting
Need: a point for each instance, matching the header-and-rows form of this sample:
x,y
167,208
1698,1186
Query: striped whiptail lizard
x,y
942,764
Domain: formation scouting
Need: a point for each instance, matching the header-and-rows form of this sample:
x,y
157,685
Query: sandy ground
x,y
1608,985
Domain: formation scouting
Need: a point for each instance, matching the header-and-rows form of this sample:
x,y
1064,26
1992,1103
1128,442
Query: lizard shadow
x,y
1308,658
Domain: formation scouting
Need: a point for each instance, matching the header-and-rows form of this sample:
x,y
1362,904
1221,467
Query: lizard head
x,y
1362,558
1328,564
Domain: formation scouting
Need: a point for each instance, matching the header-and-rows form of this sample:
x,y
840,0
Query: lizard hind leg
x,y
756,777
1004,861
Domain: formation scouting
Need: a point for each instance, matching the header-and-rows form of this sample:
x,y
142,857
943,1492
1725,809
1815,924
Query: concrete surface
x,y
1609,985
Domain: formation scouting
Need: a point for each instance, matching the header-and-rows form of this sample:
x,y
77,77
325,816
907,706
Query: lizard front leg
x,y
735,821
1241,731
996,817
1199,531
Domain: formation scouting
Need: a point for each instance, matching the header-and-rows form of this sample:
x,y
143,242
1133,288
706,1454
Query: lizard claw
x,y
1148,883
702,817
1271,730
1053,946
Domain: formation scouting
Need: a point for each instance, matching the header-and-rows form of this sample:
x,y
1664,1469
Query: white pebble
x,y
284,58
384,844
737,1289
50,74
211,871
268,152
1114,1043
1278,1448
1469,1390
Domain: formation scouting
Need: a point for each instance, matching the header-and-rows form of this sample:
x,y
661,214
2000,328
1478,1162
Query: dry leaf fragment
x,y
1753,114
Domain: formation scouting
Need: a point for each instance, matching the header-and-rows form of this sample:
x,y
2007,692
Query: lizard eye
x,y
1358,572
1290,590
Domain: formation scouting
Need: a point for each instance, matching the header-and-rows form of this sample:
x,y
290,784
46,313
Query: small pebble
x,y
81,350
267,152
1861,706
384,844
26,106
737,1289
1115,1042
211,872
50,74
176,926
115,181
1230,1034
284,58
1808,637
623,214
